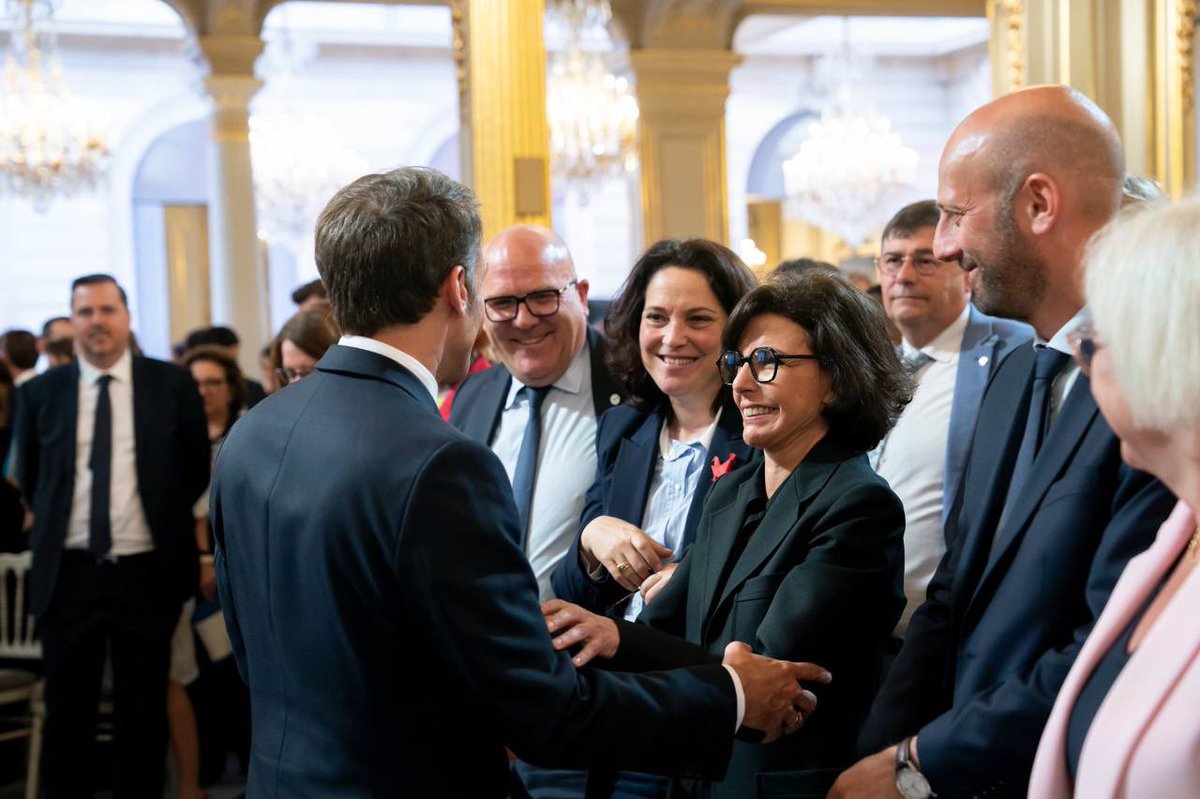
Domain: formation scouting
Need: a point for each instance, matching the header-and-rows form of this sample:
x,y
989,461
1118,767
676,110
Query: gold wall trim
x,y
1013,14
1186,45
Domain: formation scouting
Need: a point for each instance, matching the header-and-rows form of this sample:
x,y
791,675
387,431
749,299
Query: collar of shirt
x,y
1059,340
571,380
670,449
399,356
946,346
122,370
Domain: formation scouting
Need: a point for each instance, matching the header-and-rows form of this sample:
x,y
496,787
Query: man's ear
x,y
1043,202
455,291
581,286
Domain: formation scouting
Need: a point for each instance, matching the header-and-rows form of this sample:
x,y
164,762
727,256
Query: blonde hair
x,y
1143,289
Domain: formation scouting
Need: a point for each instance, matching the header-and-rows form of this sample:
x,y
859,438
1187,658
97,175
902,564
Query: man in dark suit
x,y
951,349
112,452
378,602
537,408
1047,515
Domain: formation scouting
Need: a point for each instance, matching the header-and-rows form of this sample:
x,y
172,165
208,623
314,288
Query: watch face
x,y
912,784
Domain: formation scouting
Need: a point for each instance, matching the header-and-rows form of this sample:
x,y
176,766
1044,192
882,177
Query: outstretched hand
x,y
776,703
570,625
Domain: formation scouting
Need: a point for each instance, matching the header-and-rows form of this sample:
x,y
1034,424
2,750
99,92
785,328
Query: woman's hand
x,y
628,554
657,582
570,625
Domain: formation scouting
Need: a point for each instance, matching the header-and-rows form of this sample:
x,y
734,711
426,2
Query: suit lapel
x,y
985,487
144,405
633,469
783,516
975,363
724,524
605,392
727,441
1074,420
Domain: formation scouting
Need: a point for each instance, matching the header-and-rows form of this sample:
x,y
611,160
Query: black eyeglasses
x,y
923,264
539,303
764,363
1084,343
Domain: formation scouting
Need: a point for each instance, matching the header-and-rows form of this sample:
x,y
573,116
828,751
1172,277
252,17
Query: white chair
x,y
17,642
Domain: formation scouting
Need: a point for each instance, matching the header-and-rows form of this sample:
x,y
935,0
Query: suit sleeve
x,y
195,457
570,580
24,460
471,589
224,590
992,736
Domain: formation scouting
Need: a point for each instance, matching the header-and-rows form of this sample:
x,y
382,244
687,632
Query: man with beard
x,y
1040,531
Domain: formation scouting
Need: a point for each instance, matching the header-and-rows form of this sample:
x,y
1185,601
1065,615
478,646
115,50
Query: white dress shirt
x,y
399,356
1070,373
912,458
130,532
566,462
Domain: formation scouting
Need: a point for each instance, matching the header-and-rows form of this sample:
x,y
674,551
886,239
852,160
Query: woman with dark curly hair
x,y
656,455
801,555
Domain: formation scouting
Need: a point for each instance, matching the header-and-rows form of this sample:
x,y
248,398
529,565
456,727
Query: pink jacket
x,y
1145,739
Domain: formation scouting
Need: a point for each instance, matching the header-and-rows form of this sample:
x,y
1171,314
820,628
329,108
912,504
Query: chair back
x,y
18,638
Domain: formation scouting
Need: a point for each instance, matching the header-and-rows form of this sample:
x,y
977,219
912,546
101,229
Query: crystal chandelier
x,y
848,172
591,111
49,145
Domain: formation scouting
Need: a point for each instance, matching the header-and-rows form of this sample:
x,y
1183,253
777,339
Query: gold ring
x,y
624,567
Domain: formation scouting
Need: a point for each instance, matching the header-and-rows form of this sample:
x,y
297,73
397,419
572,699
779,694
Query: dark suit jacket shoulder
x,y
171,441
626,454
818,581
376,597
1017,592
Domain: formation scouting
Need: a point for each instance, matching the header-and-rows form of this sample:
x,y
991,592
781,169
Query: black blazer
x,y
171,438
1011,604
479,401
387,622
626,454
819,581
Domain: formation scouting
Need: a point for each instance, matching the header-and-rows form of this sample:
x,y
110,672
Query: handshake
x,y
777,703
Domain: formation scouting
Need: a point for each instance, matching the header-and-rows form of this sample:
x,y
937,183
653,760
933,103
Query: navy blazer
x,y
1014,598
171,439
387,622
820,580
626,454
986,342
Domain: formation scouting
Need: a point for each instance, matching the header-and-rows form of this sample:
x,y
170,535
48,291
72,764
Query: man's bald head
x,y
1054,130
538,344
1023,183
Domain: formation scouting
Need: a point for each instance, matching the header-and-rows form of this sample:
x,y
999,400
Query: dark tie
x,y
1047,365
526,473
99,529
913,362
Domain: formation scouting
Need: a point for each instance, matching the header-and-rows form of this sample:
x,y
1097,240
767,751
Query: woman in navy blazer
x,y
799,556
656,455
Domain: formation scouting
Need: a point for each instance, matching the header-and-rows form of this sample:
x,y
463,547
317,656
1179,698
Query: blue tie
x,y
1047,365
526,473
100,461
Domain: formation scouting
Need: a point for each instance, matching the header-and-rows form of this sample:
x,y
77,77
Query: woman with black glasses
x,y
801,556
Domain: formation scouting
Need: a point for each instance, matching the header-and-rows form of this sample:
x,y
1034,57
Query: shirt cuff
x,y
741,696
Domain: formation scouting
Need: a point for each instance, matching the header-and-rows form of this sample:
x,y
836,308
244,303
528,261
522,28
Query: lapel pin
x,y
614,399
983,360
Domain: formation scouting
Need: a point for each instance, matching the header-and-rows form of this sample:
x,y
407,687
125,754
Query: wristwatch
x,y
910,782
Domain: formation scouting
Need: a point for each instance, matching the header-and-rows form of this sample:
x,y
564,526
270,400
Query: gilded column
x,y
238,282
502,74
1174,115
681,95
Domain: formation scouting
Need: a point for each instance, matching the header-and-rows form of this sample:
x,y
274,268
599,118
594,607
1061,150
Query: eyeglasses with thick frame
x,y
764,363
541,304
923,263
288,376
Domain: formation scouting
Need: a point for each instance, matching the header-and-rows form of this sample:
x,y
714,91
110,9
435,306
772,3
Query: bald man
x,y
1047,515
536,317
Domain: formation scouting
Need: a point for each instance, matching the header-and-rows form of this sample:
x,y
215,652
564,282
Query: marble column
x,y
238,282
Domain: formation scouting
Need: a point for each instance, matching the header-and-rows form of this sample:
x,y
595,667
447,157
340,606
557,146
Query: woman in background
x,y
302,341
